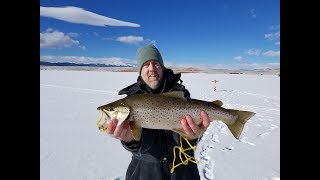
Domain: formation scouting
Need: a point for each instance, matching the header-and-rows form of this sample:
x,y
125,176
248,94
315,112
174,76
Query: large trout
x,y
164,111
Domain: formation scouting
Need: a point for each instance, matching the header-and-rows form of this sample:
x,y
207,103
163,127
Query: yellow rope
x,y
183,151
101,126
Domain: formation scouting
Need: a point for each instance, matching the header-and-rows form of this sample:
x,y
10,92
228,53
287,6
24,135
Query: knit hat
x,y
149,52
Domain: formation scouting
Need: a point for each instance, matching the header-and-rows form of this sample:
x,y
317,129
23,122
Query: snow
x,y
72,147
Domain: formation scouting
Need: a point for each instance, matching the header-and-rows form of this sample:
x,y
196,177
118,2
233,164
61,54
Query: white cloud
x,y
268,36
271,53
272,36
253,13
82,47
274,27
81,16
277,43
73,34
238,58
54,39
137,40
130,39
253,52
95,34
87,60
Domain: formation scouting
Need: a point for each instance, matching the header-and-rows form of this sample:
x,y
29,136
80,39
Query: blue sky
x,y
211,33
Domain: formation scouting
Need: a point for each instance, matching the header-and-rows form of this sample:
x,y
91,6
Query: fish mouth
x,y
107,117
100,108
102,126
109,112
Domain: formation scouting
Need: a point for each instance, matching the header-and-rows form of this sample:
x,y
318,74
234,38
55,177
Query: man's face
x,y
152,73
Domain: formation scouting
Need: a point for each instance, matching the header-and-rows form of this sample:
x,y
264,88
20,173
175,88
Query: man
x,y
152,155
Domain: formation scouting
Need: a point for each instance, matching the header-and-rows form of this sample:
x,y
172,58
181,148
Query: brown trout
x,y
164,111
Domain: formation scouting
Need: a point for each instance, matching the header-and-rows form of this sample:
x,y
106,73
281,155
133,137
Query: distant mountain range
x,y
43,63
130,67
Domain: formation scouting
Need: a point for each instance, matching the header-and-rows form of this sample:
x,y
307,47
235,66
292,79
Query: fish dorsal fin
x,y
218,103
175,94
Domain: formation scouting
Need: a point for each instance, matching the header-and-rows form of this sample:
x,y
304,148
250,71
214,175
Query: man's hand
x,y
121,132
191,129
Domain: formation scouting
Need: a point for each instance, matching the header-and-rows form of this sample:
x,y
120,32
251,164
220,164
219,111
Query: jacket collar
x,y
169,79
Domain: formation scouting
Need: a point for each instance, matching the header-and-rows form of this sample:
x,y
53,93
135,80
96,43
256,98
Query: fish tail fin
x,y
243,117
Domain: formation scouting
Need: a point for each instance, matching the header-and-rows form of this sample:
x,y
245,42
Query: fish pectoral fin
x,y
121,119
218,103
120,114
176,94
135,130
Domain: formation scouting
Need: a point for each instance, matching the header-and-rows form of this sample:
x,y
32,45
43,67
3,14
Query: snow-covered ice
x,y
72,147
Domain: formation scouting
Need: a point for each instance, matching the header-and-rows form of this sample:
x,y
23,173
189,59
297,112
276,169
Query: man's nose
x,y
152,66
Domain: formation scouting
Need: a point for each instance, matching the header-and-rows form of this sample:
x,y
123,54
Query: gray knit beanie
x,y
149,52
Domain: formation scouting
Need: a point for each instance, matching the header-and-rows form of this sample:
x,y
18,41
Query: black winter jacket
x,y
152,155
